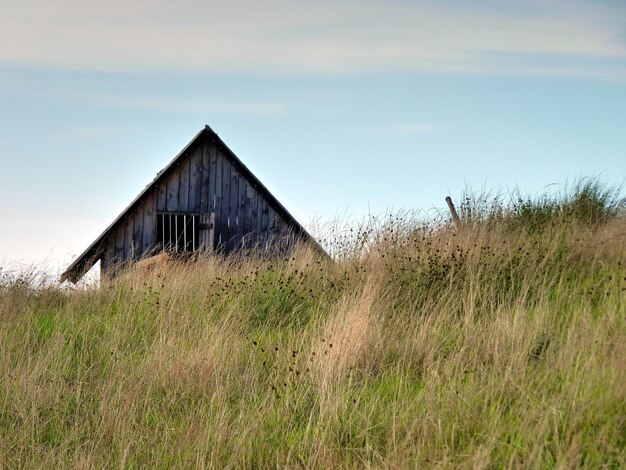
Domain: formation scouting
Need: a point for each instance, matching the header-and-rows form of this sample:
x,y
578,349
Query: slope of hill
x,y
500,342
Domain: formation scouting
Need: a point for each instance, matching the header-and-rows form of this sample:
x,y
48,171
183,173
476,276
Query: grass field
x,y
498,343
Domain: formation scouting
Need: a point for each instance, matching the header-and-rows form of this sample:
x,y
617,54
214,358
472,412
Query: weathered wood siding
x,y
204,181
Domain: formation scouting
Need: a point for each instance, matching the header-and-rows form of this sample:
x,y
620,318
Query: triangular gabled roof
x,y
94,252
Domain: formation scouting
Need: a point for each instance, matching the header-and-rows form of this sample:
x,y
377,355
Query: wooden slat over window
x,y
178,233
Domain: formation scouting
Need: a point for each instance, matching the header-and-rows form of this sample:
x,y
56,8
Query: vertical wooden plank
x,y
211,240
149,226
207,232
110,247
281,233
271,217
271,229
252,226
119,243
172,191
129,247
203,234
264,223
224,209
241,213
259,211
219,182
205,190
212,177
138,230
108,260
161,198
195,180
233,210
248,229
183,185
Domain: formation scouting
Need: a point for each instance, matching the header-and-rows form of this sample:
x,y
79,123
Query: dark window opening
x,y
178,233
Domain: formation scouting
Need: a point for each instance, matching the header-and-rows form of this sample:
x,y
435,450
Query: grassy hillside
x,y
501,342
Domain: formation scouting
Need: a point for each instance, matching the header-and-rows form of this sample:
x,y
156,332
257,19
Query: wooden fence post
x,y
455,216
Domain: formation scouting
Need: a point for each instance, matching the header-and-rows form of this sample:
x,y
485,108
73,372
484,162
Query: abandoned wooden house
x,y
204,199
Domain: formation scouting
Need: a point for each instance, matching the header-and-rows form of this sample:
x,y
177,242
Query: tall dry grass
x,y
499,343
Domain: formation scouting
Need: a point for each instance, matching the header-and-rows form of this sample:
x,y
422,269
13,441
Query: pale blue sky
x,y
339,108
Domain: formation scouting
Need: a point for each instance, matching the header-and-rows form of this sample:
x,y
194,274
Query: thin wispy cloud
x,y
293,37
86,133
406,129
166,103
